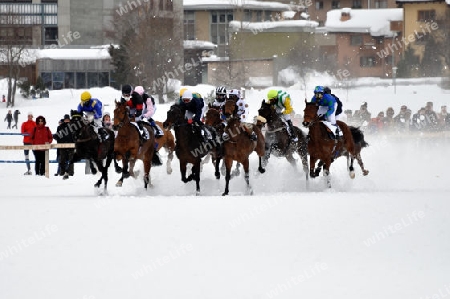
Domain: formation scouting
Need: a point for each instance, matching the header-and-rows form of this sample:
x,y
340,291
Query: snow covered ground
x,y
380,236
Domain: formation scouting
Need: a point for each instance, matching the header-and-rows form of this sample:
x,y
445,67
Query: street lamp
x,y
394,75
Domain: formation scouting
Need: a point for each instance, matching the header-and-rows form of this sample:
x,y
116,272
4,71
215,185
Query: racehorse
x,y
324,148
190,147
278,141
168,142
213,119
87,146
360,143
129,146
238,147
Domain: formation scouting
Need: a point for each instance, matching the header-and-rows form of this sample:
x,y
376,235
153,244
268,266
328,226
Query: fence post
x,y
47,166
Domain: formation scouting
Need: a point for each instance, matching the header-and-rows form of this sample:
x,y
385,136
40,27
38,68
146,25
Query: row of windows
x,y
78,80
355,4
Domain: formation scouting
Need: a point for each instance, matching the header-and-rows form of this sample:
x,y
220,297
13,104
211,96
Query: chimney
x,y
345,14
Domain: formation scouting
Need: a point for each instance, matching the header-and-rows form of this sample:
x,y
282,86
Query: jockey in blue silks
x,y
327,109
94,109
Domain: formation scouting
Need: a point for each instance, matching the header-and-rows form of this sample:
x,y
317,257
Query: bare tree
x,y
13,52
153,52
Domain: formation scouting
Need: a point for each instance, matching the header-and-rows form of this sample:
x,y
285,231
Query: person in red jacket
x,y
41,135
27,130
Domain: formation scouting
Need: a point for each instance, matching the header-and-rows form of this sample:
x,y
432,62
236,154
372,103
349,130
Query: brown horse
x,y
238,147
129,147
190,147
213,119
322,147
168,142
278,141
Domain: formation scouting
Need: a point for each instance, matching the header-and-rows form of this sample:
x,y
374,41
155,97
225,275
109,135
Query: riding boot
x,y
158,132
292,131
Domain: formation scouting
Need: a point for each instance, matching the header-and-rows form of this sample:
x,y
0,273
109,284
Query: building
x,y
362,42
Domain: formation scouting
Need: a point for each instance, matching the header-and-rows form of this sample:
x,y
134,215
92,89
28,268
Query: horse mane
x,y
358,136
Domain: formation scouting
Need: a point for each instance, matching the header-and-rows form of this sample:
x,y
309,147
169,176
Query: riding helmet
x,y
187,96
85,96
272,94
327,90
126,89
319,89
139,90
221,90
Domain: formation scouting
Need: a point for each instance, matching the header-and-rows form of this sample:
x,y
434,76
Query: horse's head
x,y
229,108
121,115
310,113
267,111
174,115
212,117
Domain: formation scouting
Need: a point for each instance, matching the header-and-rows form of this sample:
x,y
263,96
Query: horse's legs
x,y
117,168
318,168
169,162
228,165
196,174
183,168
326,173
125,173
147,167
245,165
312,163
361,164
132,163
351,170
217,167
260,167
236,171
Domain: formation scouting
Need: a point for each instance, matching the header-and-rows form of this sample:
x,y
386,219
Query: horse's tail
x,y
349,143
358,136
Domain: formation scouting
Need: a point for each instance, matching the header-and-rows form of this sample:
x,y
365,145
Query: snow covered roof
x,y
233,4
198,44
373,21
270,26
420,1
69,54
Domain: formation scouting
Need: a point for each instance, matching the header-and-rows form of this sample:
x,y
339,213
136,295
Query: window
x,y
357,4
92,80
58,80
69,80
356,40
103,79
51,36
381,4
219,30
247,16
335,4
368,61
259,16
267,16
81,80
426,15
319,5
47,79
189,25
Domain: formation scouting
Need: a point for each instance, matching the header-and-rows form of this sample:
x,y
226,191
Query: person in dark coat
x,y
16,118
9,118
64,135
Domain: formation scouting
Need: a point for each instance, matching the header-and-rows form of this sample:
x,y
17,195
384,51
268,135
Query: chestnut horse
x,y
238,147
322,147
190,147
168,142
278,141
87,146
129,147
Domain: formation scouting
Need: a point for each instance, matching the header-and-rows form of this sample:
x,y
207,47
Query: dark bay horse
x,y
238,147
322,147
190,147
87,146
129,146
278,141
213,119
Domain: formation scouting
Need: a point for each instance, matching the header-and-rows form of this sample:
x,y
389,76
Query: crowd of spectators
x,y
424,120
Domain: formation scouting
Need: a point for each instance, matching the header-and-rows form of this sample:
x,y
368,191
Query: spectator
x,y
9,118
362,116
64,135
41,135
402,119
419,121
106,121
57,150
389,119
431,117
376,124
27,130
347,117
444,119
16,118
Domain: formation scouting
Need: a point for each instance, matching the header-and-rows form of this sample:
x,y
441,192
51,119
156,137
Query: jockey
x,y
327,109
242,109
282,102
133,100
221,98
149,111
93,107
193,105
